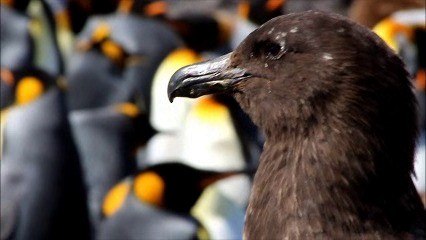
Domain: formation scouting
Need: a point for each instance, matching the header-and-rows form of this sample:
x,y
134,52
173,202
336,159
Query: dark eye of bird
x,y
272,49
268,49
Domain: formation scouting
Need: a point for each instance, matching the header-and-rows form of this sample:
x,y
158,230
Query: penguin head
x,y
170,186
150,8
201,32
23,86
19,5
101,41
260,11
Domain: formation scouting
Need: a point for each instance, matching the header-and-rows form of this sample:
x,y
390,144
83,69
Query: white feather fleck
x,y
327,56
279,195
280,35
294,29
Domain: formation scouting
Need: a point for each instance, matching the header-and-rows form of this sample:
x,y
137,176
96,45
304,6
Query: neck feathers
x,y
326,183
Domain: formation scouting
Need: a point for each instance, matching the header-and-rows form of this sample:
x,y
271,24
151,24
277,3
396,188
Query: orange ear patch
x,y
101,32
115,198
126,6
128,109
63,19
184,53
9,3
273,5
28,89
113,51
7,76
244,9
155,8
388,29
149,187
421,79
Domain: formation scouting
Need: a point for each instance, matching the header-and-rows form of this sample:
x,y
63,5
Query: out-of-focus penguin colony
x,y
92,149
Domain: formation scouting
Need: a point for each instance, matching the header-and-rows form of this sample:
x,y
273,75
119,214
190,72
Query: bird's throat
x,y
317,192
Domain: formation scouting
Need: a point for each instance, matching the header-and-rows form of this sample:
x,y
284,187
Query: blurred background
x,y
90,146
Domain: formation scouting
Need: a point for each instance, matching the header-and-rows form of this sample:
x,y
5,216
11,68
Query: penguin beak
x,y
213,76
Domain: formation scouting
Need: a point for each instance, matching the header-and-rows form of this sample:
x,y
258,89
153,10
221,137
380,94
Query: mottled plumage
x,y
339,115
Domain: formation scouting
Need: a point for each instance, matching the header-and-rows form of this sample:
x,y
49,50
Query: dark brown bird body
x,y
339,115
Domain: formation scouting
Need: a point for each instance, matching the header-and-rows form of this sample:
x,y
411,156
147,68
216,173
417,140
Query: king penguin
x,y
42,192
109,81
